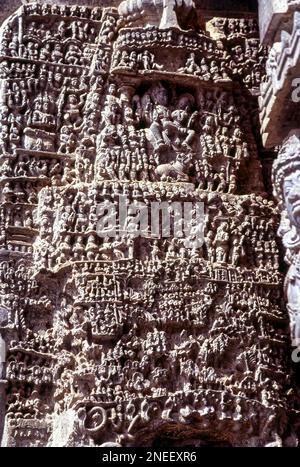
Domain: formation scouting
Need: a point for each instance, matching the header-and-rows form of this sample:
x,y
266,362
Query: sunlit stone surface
x,y
126,339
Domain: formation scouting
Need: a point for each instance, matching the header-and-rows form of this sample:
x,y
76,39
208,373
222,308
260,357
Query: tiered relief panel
x,y
136,340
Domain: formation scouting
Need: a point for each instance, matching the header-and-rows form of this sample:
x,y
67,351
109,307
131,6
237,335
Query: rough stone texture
x,y
280,126
279,109
7,8
271,14
286,178
138,340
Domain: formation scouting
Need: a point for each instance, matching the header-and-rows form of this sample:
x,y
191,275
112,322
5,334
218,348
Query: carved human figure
x,y
191,67
221,242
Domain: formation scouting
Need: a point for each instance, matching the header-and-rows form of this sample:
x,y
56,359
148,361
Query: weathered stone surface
x,y
138,339
280,126
286,178
271,14
279,100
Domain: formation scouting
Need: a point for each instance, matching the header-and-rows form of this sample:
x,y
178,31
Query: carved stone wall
x,y
138,340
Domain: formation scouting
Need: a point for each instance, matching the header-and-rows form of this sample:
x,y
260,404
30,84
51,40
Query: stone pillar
x,y
286,180
279,29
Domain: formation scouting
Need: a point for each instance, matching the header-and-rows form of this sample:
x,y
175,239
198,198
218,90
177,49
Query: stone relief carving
x,y
286,186
121,338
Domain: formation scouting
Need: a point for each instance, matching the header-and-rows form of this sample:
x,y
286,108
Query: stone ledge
x,y
275,15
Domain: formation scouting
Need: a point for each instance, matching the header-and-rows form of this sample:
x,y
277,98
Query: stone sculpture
x,y
127,339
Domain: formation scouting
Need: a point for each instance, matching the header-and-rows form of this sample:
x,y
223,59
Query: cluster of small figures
x,y
209,61
146,37
49,46
204,70
129,318
233,27
135,61
19,372
46,9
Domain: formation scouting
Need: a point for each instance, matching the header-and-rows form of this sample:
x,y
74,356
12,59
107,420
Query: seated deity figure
x,y
73,55
191,67
286,182
57,54
43,112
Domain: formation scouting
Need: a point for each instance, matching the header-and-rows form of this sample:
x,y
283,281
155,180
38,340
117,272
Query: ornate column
x,y
286,179
279,106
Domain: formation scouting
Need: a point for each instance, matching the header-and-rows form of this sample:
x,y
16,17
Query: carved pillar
x,y
279,107
286,181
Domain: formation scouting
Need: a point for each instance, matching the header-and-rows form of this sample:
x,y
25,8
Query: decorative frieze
x,y
116,333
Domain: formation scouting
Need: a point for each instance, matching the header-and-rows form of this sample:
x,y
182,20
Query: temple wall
x,y
117,331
